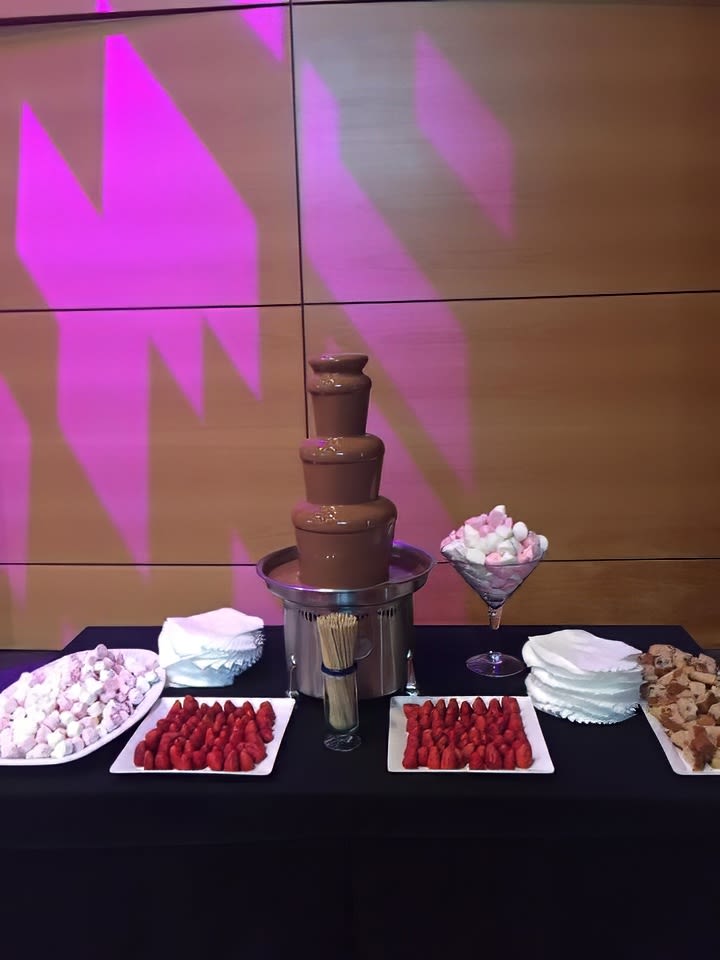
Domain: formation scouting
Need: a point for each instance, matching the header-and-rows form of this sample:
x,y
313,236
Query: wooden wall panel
x,y
165,436
576,593
507,149
593,419
148,162
61,600
12,9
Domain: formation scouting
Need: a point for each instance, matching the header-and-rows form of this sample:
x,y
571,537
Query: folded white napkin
x,y
582,677
579,652
209,649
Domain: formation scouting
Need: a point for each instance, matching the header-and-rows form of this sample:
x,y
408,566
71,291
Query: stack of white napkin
x,y
209,649
581,677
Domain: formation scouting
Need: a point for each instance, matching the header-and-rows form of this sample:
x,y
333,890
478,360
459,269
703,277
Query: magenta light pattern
x,y
172,229
174,249
472,142
373,264
14,489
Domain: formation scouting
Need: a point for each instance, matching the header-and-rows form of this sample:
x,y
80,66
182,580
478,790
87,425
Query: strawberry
x,y
266,705
152,738
176,755
493,758
467,751
139,755
186,762
411,710
433,759
232,762
465,709
477,761
257,750
266,734
410,758
509,736
162,761
197,738
190,704
199,759
249,709
509,760
478,706
423,756
523,756
246,762
215,760
448,760
510,705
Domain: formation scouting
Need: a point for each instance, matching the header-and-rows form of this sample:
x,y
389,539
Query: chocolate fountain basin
x,y
384,612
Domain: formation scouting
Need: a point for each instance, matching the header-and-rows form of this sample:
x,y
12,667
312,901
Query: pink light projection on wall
x,y
172,230
372,264
15,452
269,27
465,133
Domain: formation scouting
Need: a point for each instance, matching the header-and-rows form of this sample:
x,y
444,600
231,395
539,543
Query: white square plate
x,y
146,658
677,761
397,738
283,707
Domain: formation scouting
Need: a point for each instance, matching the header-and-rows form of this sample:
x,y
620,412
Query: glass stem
x,y
495,617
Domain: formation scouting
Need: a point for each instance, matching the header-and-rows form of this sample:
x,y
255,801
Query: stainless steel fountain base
x,y
384,612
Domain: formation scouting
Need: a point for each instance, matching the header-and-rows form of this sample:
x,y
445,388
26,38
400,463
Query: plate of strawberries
x,y
466,735
203,735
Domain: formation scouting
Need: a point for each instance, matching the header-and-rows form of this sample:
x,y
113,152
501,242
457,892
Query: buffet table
x,y
525,859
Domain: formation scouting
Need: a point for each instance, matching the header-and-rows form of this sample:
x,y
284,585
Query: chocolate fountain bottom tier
x,y
347,546
384,612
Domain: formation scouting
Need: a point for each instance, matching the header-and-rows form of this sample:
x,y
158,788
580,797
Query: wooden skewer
x,y
338,635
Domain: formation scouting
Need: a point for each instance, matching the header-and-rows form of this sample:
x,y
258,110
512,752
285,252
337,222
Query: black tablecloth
x,y
612,805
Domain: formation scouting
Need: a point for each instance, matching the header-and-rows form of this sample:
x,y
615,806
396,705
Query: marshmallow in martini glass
x,y
494,555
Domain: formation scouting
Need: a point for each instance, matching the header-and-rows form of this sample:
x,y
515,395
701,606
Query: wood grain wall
x,y
513,207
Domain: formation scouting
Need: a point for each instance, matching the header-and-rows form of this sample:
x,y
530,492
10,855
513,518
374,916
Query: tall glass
x,y
494,583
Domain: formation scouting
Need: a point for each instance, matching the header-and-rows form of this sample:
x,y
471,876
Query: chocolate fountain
x,y
345,557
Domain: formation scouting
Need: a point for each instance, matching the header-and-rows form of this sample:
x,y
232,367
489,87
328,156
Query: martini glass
x,y
494,583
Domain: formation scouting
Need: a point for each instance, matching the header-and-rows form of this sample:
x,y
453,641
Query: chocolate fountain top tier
x,y
340,394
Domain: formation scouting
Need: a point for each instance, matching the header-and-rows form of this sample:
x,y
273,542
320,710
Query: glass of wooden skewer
x,y
337,633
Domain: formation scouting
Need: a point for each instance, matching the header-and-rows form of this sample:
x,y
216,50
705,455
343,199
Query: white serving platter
x,y
397,737
283,707
145,657
676,759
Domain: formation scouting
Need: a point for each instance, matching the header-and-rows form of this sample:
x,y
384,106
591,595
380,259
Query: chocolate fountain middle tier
x,y
344,546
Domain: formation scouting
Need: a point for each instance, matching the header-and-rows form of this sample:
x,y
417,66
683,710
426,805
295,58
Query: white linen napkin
x,y
209,649
581,677
580,652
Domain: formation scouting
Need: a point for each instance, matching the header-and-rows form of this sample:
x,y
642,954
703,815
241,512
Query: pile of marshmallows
x,y
65,707
493,538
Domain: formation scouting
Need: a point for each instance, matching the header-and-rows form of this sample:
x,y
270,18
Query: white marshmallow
x,y
520,530
101,651
95,709
73,729
62,749
55,737
135,697
66,717
90,735
52,720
